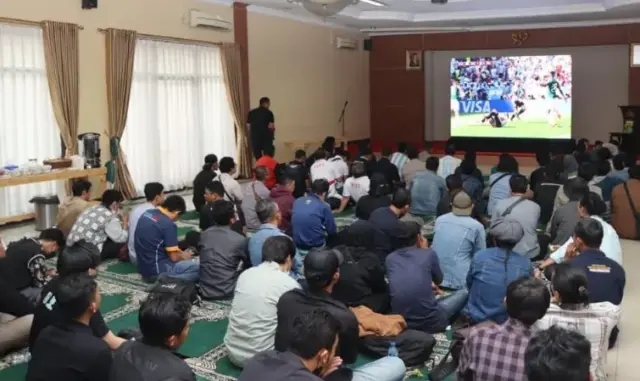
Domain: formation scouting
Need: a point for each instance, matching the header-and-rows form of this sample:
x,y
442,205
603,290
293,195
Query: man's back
x,y
527,213
456,240
300,173
155,233
411,169
426,191
295,302
495,353
69,212
411,272
622,214
448,165
563,223
276,366
90,226
69,352
490,274
606,278
254,317
311,219
222,256
136,361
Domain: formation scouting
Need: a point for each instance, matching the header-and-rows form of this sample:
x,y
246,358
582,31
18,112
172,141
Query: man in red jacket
x,y
283,196
267,161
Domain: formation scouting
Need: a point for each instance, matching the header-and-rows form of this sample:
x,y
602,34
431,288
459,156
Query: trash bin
x,y
46,210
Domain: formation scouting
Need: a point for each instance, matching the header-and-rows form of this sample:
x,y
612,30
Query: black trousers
x,y
110,249
259,143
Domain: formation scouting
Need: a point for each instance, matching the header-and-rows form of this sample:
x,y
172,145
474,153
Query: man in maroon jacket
x,y
283,196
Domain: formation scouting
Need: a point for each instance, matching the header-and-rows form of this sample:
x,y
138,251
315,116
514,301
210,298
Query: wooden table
x,y
55,175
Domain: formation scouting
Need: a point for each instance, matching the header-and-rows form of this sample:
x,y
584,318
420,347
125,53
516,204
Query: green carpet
x,y
123,290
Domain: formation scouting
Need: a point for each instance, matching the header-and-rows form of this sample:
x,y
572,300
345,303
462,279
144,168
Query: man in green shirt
x,y
555,96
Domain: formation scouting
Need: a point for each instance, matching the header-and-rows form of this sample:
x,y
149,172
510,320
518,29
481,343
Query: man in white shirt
x,y
232,189
449,162
154,193
254,315
356,186
340,167
592,206
322,169
400,158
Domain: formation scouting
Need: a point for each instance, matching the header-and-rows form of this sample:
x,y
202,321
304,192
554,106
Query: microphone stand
x,y
341,119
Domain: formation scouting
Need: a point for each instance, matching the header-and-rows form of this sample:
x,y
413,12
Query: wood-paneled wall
x,y
397,96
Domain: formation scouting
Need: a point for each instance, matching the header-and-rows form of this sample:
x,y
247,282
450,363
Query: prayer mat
x,y
123,290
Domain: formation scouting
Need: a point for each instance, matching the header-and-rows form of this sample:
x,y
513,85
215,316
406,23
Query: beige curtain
x,y
61,59
120,45
232,70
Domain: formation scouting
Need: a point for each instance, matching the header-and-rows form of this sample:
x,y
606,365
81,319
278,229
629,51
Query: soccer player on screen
x,y
495,120
456,94
518,105
556,96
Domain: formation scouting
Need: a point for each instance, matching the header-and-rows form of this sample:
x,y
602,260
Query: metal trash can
x,y
46,210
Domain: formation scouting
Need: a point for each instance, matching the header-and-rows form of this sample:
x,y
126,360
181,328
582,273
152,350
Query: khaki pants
x,y
14,332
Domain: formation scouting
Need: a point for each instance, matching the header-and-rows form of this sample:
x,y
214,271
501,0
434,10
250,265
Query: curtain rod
x,y
169,38
26,22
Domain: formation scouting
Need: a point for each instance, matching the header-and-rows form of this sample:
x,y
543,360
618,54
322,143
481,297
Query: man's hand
x,y
422,242
572,251
436,289
332,367
272,126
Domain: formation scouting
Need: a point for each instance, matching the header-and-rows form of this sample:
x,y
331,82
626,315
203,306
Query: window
x,y
178,113
27,126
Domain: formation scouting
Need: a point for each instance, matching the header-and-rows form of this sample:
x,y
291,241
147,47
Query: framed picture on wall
x,y
414,60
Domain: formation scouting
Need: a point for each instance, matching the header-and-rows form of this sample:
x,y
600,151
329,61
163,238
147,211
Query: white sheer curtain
x,y
27,126
178,113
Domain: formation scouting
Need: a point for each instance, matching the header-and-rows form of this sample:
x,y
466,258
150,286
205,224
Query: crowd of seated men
x,y
299,280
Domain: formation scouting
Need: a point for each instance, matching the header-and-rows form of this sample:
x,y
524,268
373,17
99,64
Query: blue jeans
x,y
384,369
453,303
188,270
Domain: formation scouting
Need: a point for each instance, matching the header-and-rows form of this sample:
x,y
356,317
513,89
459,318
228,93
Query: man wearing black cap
x,y
414,275
321,270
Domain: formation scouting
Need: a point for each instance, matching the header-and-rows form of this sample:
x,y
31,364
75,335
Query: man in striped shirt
x,y
400,157
449,162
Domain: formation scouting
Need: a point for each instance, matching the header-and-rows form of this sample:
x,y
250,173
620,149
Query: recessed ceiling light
x,y
374,3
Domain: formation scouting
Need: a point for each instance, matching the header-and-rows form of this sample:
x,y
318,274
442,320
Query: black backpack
x,y
174,286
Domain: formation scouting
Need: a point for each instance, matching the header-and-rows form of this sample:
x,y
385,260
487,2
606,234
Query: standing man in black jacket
x,y
261,126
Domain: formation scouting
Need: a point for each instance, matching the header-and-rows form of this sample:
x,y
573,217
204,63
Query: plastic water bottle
x,y
393,351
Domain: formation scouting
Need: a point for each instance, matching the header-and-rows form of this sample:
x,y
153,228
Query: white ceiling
x,y
401,16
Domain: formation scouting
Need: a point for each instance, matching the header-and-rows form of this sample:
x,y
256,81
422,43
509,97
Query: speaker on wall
x,y
368,44
89,4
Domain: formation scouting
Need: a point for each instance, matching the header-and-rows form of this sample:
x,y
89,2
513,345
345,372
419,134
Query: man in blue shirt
x,y
414,275
427,189
458,237
270,217
312,219
606,277
156,243
492,270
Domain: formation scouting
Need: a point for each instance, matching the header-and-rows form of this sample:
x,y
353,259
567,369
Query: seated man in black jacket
x,y
69,350
321,270
387,168
362,273
81,258
311,355
164,322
